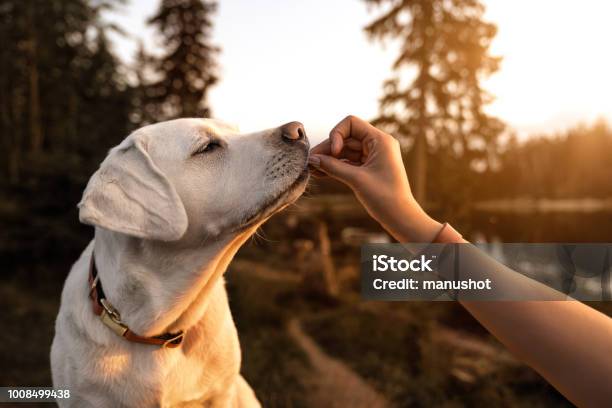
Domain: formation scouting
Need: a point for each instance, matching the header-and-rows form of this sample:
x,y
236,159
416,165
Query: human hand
x,y
369,161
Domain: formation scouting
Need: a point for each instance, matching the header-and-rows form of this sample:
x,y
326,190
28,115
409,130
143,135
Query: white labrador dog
x,y
171,205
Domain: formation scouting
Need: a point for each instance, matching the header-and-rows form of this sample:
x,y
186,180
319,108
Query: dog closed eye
x,y
208,147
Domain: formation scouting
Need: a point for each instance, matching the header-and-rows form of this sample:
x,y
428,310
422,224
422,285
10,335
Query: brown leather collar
x,y
112,319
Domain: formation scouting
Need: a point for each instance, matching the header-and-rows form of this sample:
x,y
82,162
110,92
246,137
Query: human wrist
x,y
415,225
421,227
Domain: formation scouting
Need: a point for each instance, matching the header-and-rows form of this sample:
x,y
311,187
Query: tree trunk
x,y
36,133
419,167
13,164
15,124
419,156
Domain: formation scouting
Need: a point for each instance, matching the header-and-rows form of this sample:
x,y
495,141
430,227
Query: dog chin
x,y
286,197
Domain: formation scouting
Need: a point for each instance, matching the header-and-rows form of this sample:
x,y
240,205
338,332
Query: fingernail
x,y
314,161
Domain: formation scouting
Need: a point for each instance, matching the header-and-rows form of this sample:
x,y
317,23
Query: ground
x,y
302,349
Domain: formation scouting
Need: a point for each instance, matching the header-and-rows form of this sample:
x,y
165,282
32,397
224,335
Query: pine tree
x,y
104,102
13,88
143,112
445,43
187,70
63,103
36,132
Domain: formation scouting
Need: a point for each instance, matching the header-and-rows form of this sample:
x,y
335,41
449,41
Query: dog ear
x,y
130,194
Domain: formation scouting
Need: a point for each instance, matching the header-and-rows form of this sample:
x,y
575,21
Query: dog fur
x,y
171,205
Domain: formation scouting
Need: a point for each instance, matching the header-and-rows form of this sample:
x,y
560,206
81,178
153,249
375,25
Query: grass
x,y
28,320
393,346
272,364
396,350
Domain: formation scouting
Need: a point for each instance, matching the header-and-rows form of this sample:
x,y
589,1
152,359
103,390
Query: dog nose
x,y
293,131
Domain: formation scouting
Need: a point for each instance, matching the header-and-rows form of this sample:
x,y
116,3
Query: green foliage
x,y
271,362
394,348
65,100
63,103
187,69
570,164
444,50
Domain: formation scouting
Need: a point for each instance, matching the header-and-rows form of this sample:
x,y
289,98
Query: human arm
x,y
567,342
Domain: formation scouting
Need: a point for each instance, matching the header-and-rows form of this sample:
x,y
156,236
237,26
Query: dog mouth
x,y
286,197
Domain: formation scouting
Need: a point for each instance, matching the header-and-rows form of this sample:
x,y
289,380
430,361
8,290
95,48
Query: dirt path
x,y
333,384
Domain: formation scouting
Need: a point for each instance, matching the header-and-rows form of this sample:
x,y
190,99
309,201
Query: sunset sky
x,y
310,61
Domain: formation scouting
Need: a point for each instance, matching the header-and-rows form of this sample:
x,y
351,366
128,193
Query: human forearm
x,y
567,342
406,221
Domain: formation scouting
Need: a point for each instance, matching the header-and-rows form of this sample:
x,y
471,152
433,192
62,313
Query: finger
x,y
353,144
322,148
325,146
335,168
352,163
352,155
351,126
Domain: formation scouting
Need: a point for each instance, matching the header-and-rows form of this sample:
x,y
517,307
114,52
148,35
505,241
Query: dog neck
x,y
158,287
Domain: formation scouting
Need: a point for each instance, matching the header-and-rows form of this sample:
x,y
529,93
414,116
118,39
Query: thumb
x,y
333,167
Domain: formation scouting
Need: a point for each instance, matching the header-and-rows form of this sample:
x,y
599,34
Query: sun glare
x,y
556,62
555,70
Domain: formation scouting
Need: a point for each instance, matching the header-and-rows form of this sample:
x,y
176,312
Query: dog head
x,y
195,179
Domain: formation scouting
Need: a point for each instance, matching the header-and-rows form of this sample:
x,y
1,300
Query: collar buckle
x,y
111,318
